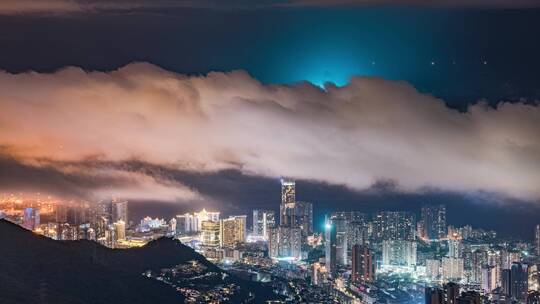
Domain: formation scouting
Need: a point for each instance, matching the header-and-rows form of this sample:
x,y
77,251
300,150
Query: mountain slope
x,y
35,269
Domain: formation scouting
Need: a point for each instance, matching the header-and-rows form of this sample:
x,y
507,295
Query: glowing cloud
x,y
356,135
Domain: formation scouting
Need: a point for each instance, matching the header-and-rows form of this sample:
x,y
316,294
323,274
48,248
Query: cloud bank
x,y
369,131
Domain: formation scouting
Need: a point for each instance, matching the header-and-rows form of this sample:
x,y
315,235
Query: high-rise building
x,y
210,233
263,220
434,296
292,213
399,253
506,282
330,248
119,211
519,281
363,267
452,268
204,215
186,223
232,230
469,297
288,200
340,224
509,257
30,218
534,277
451,293
285,242
537,239
304,217
394,225
433,269
434,222
455,249
489,278
120,228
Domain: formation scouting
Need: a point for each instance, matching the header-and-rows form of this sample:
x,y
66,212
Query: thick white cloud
x,y
355,135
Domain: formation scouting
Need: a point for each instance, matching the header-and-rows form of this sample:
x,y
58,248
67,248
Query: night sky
x,y
461,54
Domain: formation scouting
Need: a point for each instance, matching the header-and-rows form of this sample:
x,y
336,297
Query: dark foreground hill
x,y
35,269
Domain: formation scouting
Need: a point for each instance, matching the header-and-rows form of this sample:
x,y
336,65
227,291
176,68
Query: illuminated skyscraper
x,y
519,281
394,225
363,267
204,215
434,222
119,211
451,293
210,233
120,228
285,242
233,230
537,239
340,223
452,269
434,295
534,277
433,269
304,217
288,200
455,249
186,223
489,278
330,248
263,220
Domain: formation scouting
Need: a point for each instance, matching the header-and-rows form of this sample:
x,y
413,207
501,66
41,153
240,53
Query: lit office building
x,y
233,231
363,267
434,222
210,233
263,220
399,253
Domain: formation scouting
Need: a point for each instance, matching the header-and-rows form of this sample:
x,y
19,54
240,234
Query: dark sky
x,y
459,54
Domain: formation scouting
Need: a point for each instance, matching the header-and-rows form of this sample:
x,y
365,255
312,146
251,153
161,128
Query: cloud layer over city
x,y
369,131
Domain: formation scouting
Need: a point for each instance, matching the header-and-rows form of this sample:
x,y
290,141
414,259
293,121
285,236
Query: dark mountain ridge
x,y
35,269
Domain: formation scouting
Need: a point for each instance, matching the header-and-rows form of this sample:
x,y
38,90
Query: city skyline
x,y
273,151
